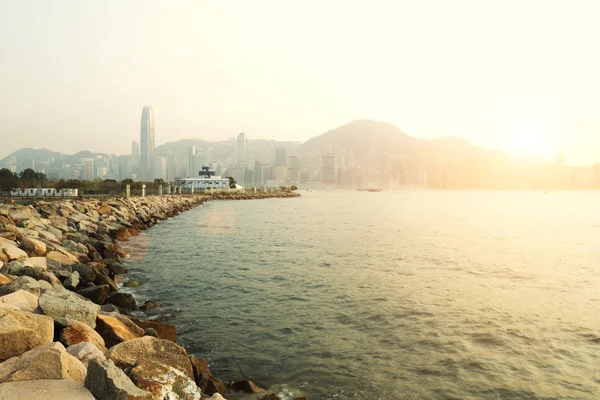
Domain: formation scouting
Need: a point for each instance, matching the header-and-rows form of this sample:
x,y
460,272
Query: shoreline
x,y
59,271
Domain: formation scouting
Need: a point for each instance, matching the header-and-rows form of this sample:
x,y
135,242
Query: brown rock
x,y
104,209
117,328
61,258
5,279
78,332
204,379
246,387
164,331
22,331
34,247
128,354
163,381
102,279
45,389
47,362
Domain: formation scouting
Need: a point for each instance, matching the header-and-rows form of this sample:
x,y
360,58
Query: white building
x,y
205,182
45,192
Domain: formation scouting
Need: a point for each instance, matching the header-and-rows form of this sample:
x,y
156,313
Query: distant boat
x,y
371,188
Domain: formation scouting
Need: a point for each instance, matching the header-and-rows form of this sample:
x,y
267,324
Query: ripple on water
x,y
401,299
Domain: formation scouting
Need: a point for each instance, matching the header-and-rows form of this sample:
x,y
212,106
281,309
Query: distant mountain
x,y
179,147
43,155
368,139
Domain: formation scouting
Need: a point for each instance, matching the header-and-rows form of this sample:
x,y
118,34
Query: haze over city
x,y
519,76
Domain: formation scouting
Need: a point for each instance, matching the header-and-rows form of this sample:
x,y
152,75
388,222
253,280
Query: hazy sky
x,y
522,76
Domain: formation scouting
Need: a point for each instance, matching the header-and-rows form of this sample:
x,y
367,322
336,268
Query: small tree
x,y
232,182
294,187
8,180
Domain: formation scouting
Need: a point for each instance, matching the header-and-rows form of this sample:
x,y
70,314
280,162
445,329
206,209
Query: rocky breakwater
x,y
65,331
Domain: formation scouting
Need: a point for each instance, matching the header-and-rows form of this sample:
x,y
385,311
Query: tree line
x,y
28,178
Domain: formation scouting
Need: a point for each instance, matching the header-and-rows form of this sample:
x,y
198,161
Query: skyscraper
x,y
191,167
242,149
147,145
135,153
280,157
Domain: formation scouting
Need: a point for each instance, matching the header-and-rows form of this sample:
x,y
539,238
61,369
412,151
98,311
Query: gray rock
x,y
50,361
21,283
27,268
69,306
23,331
124,301
131,284
117,268
97,294
72,281
45,389
85,352
150,332
86,273
106,381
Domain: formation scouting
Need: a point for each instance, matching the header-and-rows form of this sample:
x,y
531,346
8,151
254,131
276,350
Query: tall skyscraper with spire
x,y
147,145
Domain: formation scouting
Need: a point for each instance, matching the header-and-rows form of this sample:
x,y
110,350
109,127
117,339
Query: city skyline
x,y
428,67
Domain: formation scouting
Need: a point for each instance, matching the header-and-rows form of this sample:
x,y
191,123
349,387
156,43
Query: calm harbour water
x,y
391,295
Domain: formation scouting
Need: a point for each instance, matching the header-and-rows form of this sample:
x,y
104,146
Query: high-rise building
x,y
280,157
135,153
242,149
87,169
292,169
191,172
147,144
160,168
329,169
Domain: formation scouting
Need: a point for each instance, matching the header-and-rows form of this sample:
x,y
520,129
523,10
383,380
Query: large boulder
x,y
69,306
104,279
204,379
27,268
22,331
45,389
163,381
124,301
116,268
39,262
61,257
20,214
116,328
164,331
12,252
77,332
97,294
50,361
86,273
21,283
85,352
128,354
20,300
106,381
34,247
104,209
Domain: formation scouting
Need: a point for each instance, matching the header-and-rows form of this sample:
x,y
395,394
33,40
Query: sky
x,y
520,76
